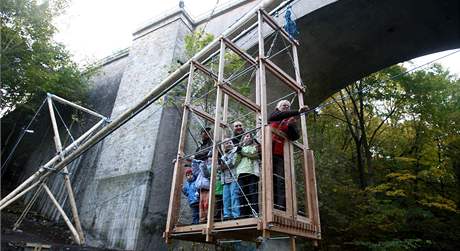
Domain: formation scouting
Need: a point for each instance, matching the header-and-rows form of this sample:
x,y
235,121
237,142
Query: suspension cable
x,y
24,131
63,122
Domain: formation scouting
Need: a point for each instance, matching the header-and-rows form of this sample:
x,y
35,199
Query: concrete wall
x,y
134,167
102,92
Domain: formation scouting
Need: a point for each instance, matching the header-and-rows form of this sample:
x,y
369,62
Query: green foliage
x,y
196,41
412,179
32,63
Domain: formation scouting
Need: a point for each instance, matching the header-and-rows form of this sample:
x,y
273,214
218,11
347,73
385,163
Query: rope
x,y
209,19
24,130
62,120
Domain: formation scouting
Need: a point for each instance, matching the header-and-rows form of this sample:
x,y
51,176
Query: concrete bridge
x,y
122,184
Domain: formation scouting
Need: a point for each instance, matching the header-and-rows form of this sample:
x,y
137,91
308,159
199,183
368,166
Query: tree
x,y
32,63
390,146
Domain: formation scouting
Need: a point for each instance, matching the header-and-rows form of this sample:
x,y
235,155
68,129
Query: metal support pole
x,y
42,171
64,216
68,185
66,102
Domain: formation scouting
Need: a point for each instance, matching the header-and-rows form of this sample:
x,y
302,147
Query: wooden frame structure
x,y
271,222
40,178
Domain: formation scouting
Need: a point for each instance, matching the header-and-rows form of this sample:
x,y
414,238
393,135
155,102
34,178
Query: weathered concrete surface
x,y
126,166
102,93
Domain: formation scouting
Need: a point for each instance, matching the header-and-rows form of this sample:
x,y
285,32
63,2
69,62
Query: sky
x,y
94,29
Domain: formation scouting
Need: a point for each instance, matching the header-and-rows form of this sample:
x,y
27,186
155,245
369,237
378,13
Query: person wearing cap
x,y
284,120
191,192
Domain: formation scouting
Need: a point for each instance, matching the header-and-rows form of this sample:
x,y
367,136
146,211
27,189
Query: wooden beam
x,y
204,70
240,98
225,117
215,151
189,228
283,76
295,57
240,52
206,116
293,231
295,208
312,191
237,223
288,191
270,21
177,179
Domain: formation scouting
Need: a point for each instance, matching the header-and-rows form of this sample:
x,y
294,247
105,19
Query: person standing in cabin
x,y
238,131
248,176
190,191
231,191
283,119
201,152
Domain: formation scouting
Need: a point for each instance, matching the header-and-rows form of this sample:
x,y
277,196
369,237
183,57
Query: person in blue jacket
x,y
191,192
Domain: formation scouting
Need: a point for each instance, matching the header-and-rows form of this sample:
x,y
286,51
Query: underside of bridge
x,y
349,39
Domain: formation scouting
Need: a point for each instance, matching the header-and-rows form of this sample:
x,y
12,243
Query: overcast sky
x,y
94,29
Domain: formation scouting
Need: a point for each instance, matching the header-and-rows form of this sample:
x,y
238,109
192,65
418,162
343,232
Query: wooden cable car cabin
x,y
299,216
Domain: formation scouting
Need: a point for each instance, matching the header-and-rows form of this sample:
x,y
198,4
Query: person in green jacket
x,y
248,176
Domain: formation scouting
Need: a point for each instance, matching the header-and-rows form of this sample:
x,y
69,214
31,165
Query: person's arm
x,y
278,115
292,132
196,167
206,171
202,153
250,152
184,190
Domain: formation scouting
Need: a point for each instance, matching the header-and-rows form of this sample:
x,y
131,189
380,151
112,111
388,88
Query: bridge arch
x,y
347,40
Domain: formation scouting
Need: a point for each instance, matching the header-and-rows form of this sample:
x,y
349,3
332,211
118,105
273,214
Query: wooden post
x,y
216,139
225,117
292,242
174,197
288,192
267,168
309,158
313,195
64,216
67,183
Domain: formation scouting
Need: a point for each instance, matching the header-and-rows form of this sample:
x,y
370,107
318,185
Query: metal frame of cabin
x,y
271,222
